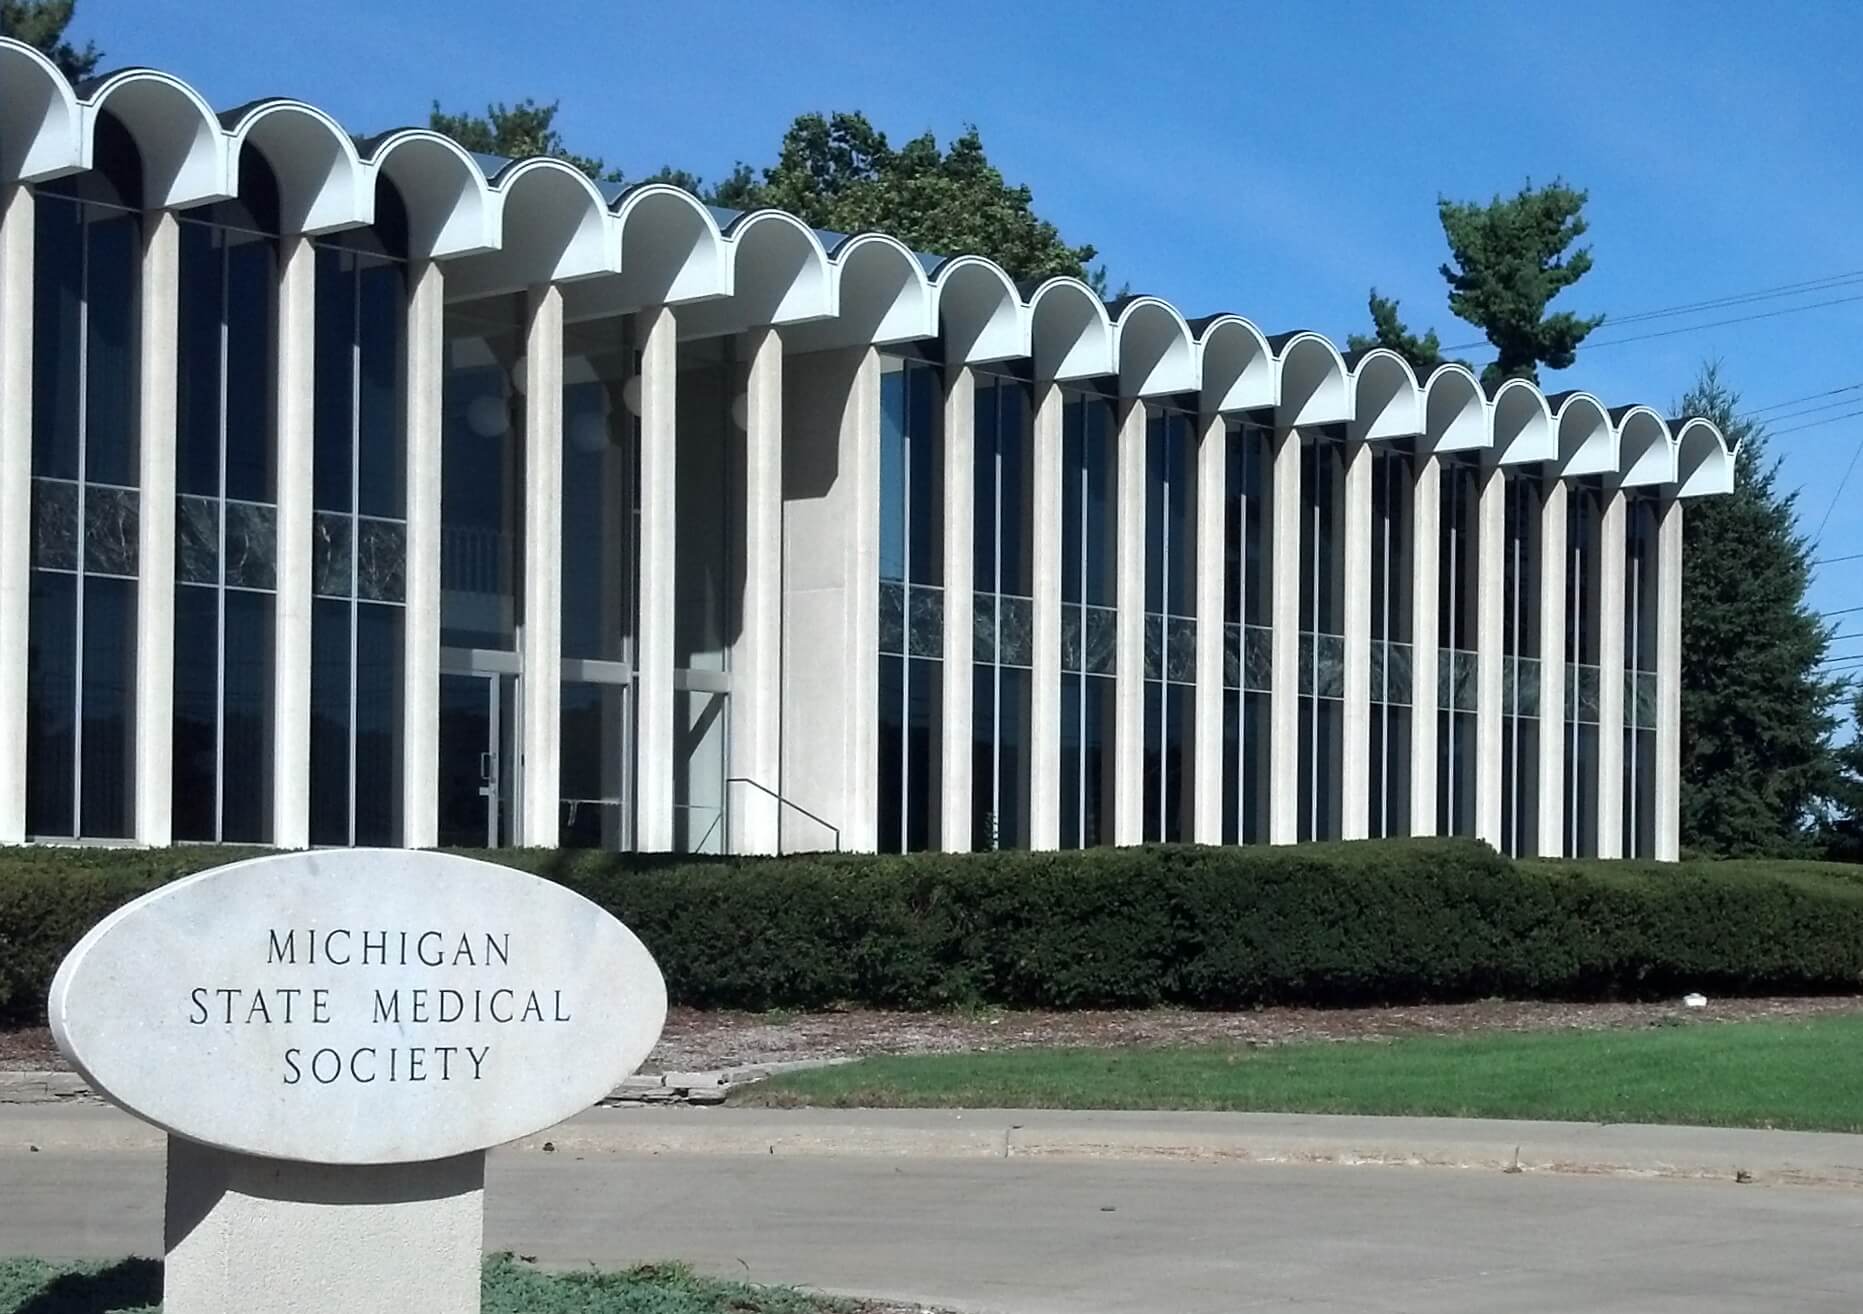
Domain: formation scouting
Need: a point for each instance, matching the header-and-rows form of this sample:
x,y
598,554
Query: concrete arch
x,y
1587,438
1312,381
1386,401
322,184
882,293
185,156
41,132
979,313
450,207
780,269
1070,333
1455,413
1235,365
671,248
1704,466
1645,454
1523,427
1153,349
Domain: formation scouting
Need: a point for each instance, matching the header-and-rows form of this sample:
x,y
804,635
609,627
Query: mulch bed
x,y
697,1041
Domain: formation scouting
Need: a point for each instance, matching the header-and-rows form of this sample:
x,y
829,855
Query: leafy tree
x,y
1508,261
42,24
840,173
515,132
1756,710
1424,353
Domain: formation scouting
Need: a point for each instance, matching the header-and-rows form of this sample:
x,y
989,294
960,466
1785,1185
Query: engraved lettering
x,y
282,953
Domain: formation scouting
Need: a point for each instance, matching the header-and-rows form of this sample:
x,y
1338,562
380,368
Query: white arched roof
x,y
322,185
1386,402
982,317
503,225
1071,336
1704,466
1236,367
450,207
1312,387
1523,429
185,155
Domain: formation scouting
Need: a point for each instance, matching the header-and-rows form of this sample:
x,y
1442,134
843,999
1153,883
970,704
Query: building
x,y
366,491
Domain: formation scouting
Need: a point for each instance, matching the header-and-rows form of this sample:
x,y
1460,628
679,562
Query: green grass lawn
x,y
1806,1075
134,1286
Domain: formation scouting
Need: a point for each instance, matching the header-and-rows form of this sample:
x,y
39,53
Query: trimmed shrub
x,y
1375,921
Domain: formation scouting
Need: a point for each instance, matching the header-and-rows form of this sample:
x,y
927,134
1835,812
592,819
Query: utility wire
x,y
1761,410
1832,561
1812,424
1841,611
1839,491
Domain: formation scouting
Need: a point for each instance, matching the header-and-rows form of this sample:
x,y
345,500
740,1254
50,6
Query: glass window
x,y
1170,623
1640,650
1322,637
1393,480
482,477
911,603
1089,546
85,508
226,524
1582,671
1247,595
1458,585
1520,679
359,544
1003,620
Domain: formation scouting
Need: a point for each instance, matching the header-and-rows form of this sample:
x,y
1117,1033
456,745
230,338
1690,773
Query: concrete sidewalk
x,y
1697,1153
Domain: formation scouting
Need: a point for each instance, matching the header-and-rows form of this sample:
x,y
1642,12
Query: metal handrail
x,y
791,804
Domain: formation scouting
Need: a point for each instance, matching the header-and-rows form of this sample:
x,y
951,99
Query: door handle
x,y
488,768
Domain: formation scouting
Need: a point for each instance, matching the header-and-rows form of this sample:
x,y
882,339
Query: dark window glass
x,y
252,275
329,747
336,375
246,780
51,711
380,403
109,694
58,307
197,711
112,278
380,658
202,279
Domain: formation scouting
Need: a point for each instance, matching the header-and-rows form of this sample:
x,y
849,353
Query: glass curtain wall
x,y
482,476
1458,593
1640,699
911,602
1170,622
226,515
1247,621
1322,635
1393,483
359,534
708,578
1583,514
1520,672
80,672
1004,603
1089,601
600,549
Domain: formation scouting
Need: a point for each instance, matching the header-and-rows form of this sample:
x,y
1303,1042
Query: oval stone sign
x,y
358,1006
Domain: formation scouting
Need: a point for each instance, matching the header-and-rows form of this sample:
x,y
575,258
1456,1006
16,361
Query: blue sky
x,y
1274,160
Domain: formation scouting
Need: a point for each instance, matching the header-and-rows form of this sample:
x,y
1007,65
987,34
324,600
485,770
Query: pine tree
x,y
1843,838
42,23
1388,330
1756,711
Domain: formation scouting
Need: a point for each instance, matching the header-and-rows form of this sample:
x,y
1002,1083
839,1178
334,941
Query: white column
x,y
297,347
1669,681
653,721
1212,510
540,719
1284,640
757,659
1426,513
1129,628
16,231
1552,552
159,310
420,673
960,495
1490,641
1355,754
1611,549
1046,567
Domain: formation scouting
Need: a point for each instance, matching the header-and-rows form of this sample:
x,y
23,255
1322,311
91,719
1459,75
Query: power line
x,y
1832,561
1761,410
1717,323
1812,424
1785,417
1839,490
1841,611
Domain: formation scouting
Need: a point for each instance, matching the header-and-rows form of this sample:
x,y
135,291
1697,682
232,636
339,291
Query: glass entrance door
x,y
478,765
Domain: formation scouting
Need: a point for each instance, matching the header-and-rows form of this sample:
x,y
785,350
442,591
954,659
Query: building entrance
x,y
478,760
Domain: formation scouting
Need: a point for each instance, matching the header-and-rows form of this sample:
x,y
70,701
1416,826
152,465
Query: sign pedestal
x,y
274,1236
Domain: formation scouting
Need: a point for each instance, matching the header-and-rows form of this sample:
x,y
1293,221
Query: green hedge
x,y
1382,921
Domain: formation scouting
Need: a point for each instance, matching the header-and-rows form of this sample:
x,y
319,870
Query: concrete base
x,y
245,1235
